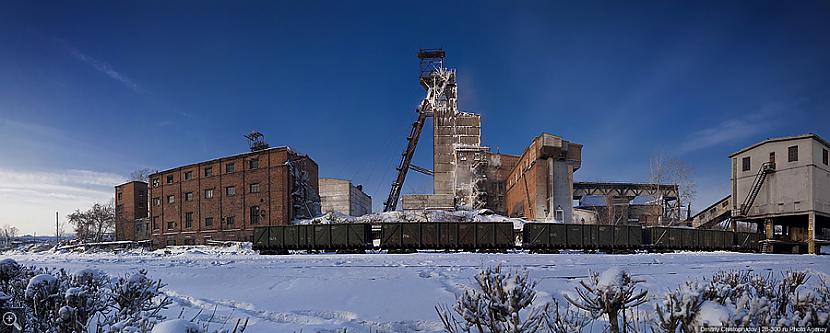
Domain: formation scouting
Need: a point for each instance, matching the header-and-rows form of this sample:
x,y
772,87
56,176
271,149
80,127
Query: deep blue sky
x,y
103,88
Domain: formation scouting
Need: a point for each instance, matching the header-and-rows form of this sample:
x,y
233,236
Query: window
x,y
745,165
188,175
188,220
824,156
792,154
188,196
208,172
171,199
171,241
231,220
230,167
254,188
208,221
209,193
171,225
230,190
156,201
253,163
255,215
155,182
119,196
156,223
170,179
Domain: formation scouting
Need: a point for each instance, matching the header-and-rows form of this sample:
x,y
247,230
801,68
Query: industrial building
x,y
782,186
339,195
222,199
536,185
131,221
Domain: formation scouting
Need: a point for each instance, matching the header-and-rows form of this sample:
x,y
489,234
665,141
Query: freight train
x,y
496,237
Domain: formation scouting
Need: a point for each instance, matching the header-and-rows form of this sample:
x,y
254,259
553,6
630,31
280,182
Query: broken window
x,y
155,182
230,220
255,215
156,201
171,199
188,196
170,179
792,154
253,163
188,175
208,172
230,167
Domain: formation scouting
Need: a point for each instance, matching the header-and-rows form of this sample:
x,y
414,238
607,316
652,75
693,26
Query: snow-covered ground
x,y
380,292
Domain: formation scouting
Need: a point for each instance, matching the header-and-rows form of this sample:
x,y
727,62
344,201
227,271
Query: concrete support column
x,y
811,233
769,228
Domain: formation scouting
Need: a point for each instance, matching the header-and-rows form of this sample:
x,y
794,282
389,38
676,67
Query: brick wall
x,y
224,199
130,210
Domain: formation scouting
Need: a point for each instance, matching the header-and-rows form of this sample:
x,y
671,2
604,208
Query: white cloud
x,y
29,199
739,128
105,68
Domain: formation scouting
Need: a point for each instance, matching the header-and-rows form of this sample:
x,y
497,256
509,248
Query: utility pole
x,y
57,230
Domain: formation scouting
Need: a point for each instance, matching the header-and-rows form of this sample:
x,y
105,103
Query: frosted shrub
x,y
500,303
566,320
137,301
742,299
609,294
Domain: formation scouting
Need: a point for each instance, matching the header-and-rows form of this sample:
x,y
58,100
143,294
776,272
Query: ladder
x,y
766,168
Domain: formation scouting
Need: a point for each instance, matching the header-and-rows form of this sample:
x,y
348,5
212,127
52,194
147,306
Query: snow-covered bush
x,y
184,326
744,299
610,294
566,320
501,303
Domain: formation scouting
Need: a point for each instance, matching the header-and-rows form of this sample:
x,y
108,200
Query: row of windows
x,y
792,156
188,196
256,217
208,172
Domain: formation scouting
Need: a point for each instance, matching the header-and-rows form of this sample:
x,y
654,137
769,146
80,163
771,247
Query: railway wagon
x,y
556,236
667,238
447,236
321,237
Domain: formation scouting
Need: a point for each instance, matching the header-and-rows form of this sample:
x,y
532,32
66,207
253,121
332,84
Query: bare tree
x,y
142,174
95,223
675,172
8,233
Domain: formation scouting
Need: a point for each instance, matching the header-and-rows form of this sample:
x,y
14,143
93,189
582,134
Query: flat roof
x,y
224,158
783,138
132,181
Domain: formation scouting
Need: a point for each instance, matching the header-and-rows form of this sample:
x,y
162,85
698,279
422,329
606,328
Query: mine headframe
x,y
431,62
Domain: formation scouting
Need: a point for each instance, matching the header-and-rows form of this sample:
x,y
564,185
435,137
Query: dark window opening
x,y
792,154
208,172
253,164
230,167
745,164
188,175
255,215
188,196
208,221
170,179
824,156
188,220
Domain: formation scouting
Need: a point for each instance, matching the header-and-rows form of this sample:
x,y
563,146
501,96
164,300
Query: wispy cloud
x,y
738,128
103,67
29,199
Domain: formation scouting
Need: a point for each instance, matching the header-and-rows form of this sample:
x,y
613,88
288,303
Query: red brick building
x,y
540,186
131,211
225,198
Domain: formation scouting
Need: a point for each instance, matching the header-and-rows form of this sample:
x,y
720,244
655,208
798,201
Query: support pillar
x,y
811,233
769,233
